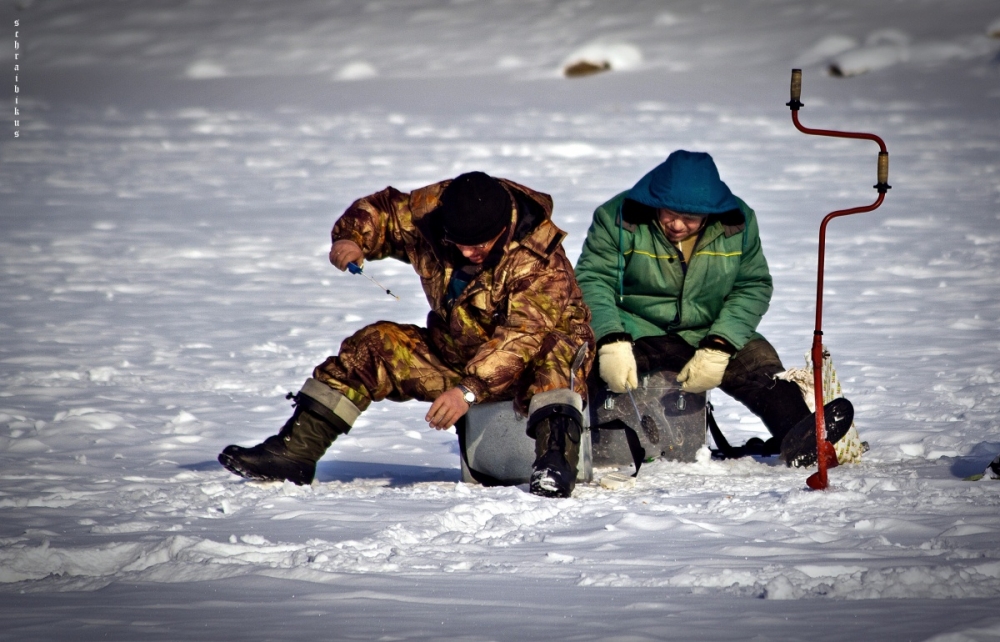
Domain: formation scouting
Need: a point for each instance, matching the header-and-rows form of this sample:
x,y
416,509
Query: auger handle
x,y
883,173
819,481
796,90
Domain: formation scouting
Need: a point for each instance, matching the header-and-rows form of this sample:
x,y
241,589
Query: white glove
x,y
617,366
704,371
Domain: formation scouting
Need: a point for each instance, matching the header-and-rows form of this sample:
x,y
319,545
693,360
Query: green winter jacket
x,y
635,281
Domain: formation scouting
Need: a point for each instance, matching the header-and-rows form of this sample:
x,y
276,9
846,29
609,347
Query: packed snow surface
x,y
164,224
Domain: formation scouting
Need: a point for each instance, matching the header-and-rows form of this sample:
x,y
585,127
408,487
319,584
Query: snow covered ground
x,y
164,221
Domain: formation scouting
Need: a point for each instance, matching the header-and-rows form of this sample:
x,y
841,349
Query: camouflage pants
x,y
398,362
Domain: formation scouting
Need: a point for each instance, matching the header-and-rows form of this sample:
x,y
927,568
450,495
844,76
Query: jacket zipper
x,y
680,295
684,270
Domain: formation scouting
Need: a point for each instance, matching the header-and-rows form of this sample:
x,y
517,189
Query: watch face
x,y
469,396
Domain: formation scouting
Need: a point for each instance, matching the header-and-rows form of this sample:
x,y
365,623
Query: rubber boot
x,y
798,448
291,454
556,423
777,402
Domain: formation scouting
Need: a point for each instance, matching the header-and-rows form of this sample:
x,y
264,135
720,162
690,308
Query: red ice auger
x,y
826,455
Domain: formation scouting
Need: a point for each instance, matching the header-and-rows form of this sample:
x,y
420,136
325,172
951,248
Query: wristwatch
x,y
468,395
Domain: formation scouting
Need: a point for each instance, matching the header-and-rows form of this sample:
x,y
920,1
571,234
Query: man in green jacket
x,y
676,279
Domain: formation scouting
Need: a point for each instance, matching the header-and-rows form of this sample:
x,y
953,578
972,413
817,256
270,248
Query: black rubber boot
x,y
291,454
556,429
777,402
798,448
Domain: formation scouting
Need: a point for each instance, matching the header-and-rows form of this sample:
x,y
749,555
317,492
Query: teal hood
x,y
688,183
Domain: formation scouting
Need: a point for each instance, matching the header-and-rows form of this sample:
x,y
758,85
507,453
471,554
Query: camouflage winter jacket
x,y
495,328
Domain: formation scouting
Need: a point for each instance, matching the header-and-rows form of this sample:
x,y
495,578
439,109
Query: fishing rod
x,y
826,456
354,268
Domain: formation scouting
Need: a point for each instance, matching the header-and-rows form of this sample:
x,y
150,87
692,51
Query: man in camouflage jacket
x,y
506,320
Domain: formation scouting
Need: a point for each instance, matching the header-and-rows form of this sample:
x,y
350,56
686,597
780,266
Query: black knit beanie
x,y
474,209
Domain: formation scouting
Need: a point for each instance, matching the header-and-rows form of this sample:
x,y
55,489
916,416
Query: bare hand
x,y
346,251
447,409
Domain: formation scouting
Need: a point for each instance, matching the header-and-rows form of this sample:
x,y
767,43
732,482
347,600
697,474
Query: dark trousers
x,y
749,378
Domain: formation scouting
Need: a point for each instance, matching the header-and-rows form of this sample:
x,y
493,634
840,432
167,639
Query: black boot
x,y
556,428
798,448
777,402
291,454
